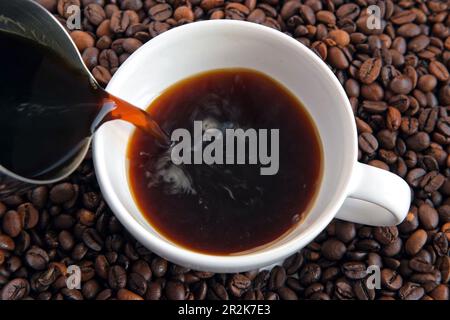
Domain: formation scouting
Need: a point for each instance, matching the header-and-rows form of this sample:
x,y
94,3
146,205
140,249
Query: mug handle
x,y
377,197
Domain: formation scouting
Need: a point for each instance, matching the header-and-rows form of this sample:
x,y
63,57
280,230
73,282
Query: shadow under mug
x,y
350,190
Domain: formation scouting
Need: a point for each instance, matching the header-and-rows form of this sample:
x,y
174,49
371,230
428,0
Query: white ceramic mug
x,y
349,190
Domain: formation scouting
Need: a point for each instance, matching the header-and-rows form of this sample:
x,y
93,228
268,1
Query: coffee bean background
x,y
397,79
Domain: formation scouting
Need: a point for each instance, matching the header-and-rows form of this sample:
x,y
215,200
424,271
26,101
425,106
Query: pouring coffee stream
x,y
51,105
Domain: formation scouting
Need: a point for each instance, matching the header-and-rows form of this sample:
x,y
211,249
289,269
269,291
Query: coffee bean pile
x,y
398,83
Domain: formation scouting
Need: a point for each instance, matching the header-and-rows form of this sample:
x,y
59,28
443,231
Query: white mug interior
x,y
202,46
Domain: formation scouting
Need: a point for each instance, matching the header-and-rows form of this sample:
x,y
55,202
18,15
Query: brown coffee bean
x,y
415,242
391,280
15,289
12,223
94,13
419,141
401,84
367,142
211,4
82,40
29,215
239,284
343,290
124,294
159,267
441,292
160,12
385,235
289,9
341,37
337,59
348,11
333,249
362,292
418,43
287,294
370,70
117,277
37,258
6,243
411,291
408,30
427,83
175,290
393,119
309,274
440,244
293,263
277,278
257,16
437,69
154,291
428,217
432,181
142,268
183,13
404,17
119,22
307,14
130,45
61,193
135,5
326,17
102,75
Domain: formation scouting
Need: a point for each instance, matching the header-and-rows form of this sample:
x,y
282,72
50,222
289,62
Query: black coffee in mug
x,y
239,201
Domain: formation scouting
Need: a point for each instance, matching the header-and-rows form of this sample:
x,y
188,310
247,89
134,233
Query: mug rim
x,y
252,260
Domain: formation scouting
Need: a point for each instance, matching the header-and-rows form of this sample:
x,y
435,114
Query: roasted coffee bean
x,y
159,267
37,258
12,223
362,292
117,277
415,242
160,12
101,74
61,193
277,278
287,294
92,239
428,216
440,244
154,291
391,280
309,274
15,289
370,70
343,290
239,284
354,270
437,69
137,284
293,263
386,235
142,268
333,249
337,58
401,84
411,291
368,143
124,294
94,13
